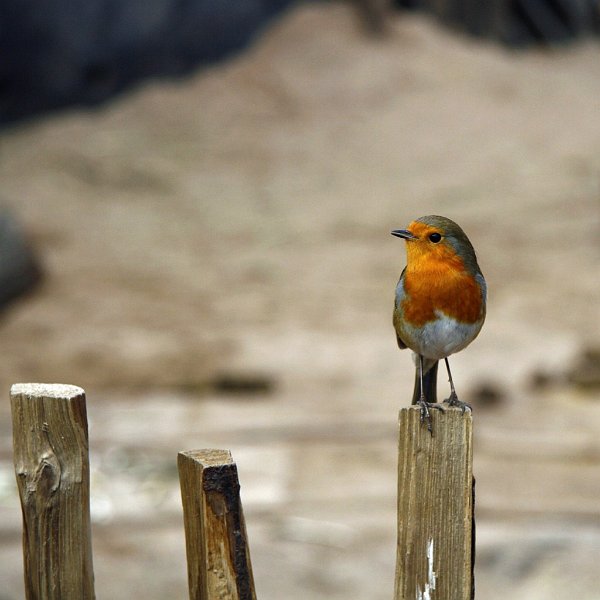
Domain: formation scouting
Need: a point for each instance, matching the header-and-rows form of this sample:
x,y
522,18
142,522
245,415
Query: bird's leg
x,y
423,404
453,399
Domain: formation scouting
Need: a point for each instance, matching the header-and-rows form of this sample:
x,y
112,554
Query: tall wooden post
x,y
215,531
50,441
435,507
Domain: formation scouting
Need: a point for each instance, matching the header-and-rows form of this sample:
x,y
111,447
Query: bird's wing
x,y
482,285
401,344
397,302
400,289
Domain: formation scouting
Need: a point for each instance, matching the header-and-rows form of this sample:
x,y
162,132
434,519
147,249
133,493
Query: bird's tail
x,y
429,382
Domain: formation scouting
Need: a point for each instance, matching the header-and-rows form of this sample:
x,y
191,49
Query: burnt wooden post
x,y
215,531
435,507
50,441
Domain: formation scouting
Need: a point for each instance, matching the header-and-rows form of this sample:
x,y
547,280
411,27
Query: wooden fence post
x,y
435,507
215,531
50,442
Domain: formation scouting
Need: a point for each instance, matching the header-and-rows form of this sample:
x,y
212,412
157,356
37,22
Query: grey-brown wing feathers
x,y
397,300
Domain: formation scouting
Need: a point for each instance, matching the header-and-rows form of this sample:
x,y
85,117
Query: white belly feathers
x,y
440,338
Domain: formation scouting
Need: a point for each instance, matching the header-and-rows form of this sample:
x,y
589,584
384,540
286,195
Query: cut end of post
x,y
209,457
46,390
450,416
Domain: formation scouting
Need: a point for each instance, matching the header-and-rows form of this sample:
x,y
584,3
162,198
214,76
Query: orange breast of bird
x,y
438,281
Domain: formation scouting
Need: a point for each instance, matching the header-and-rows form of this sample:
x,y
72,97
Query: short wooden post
x,y
50,441
215,531
435,507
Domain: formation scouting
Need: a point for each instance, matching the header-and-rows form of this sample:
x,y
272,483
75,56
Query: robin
x,y
440,303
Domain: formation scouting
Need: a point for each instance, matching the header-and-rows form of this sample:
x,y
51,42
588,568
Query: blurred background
x,y
195,206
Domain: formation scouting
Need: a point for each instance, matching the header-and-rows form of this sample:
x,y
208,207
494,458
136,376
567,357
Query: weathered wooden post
x,y
50,441
215,531
435,507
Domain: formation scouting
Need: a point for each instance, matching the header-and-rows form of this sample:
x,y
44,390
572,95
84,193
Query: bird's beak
x,y
404,234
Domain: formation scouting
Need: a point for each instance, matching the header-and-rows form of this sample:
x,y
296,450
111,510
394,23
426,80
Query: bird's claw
x,y
453,400
426,414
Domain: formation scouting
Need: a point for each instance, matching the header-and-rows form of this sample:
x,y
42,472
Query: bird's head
x,y
435,238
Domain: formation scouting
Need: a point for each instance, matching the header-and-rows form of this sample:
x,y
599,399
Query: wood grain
x,y
50,442
435,507
218,556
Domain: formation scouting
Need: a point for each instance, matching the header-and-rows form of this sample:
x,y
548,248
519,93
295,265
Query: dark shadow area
x,y
59,53
516,23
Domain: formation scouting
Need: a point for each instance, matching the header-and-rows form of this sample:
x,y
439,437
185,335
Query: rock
x,y
585,371
541,380
19,269
487,394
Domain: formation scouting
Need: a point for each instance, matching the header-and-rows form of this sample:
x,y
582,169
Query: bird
x,y
440,303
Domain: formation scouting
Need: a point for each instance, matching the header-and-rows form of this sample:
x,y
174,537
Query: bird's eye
x,y
435,237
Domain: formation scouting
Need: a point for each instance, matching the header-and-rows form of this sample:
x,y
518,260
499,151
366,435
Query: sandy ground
x,y
236,224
